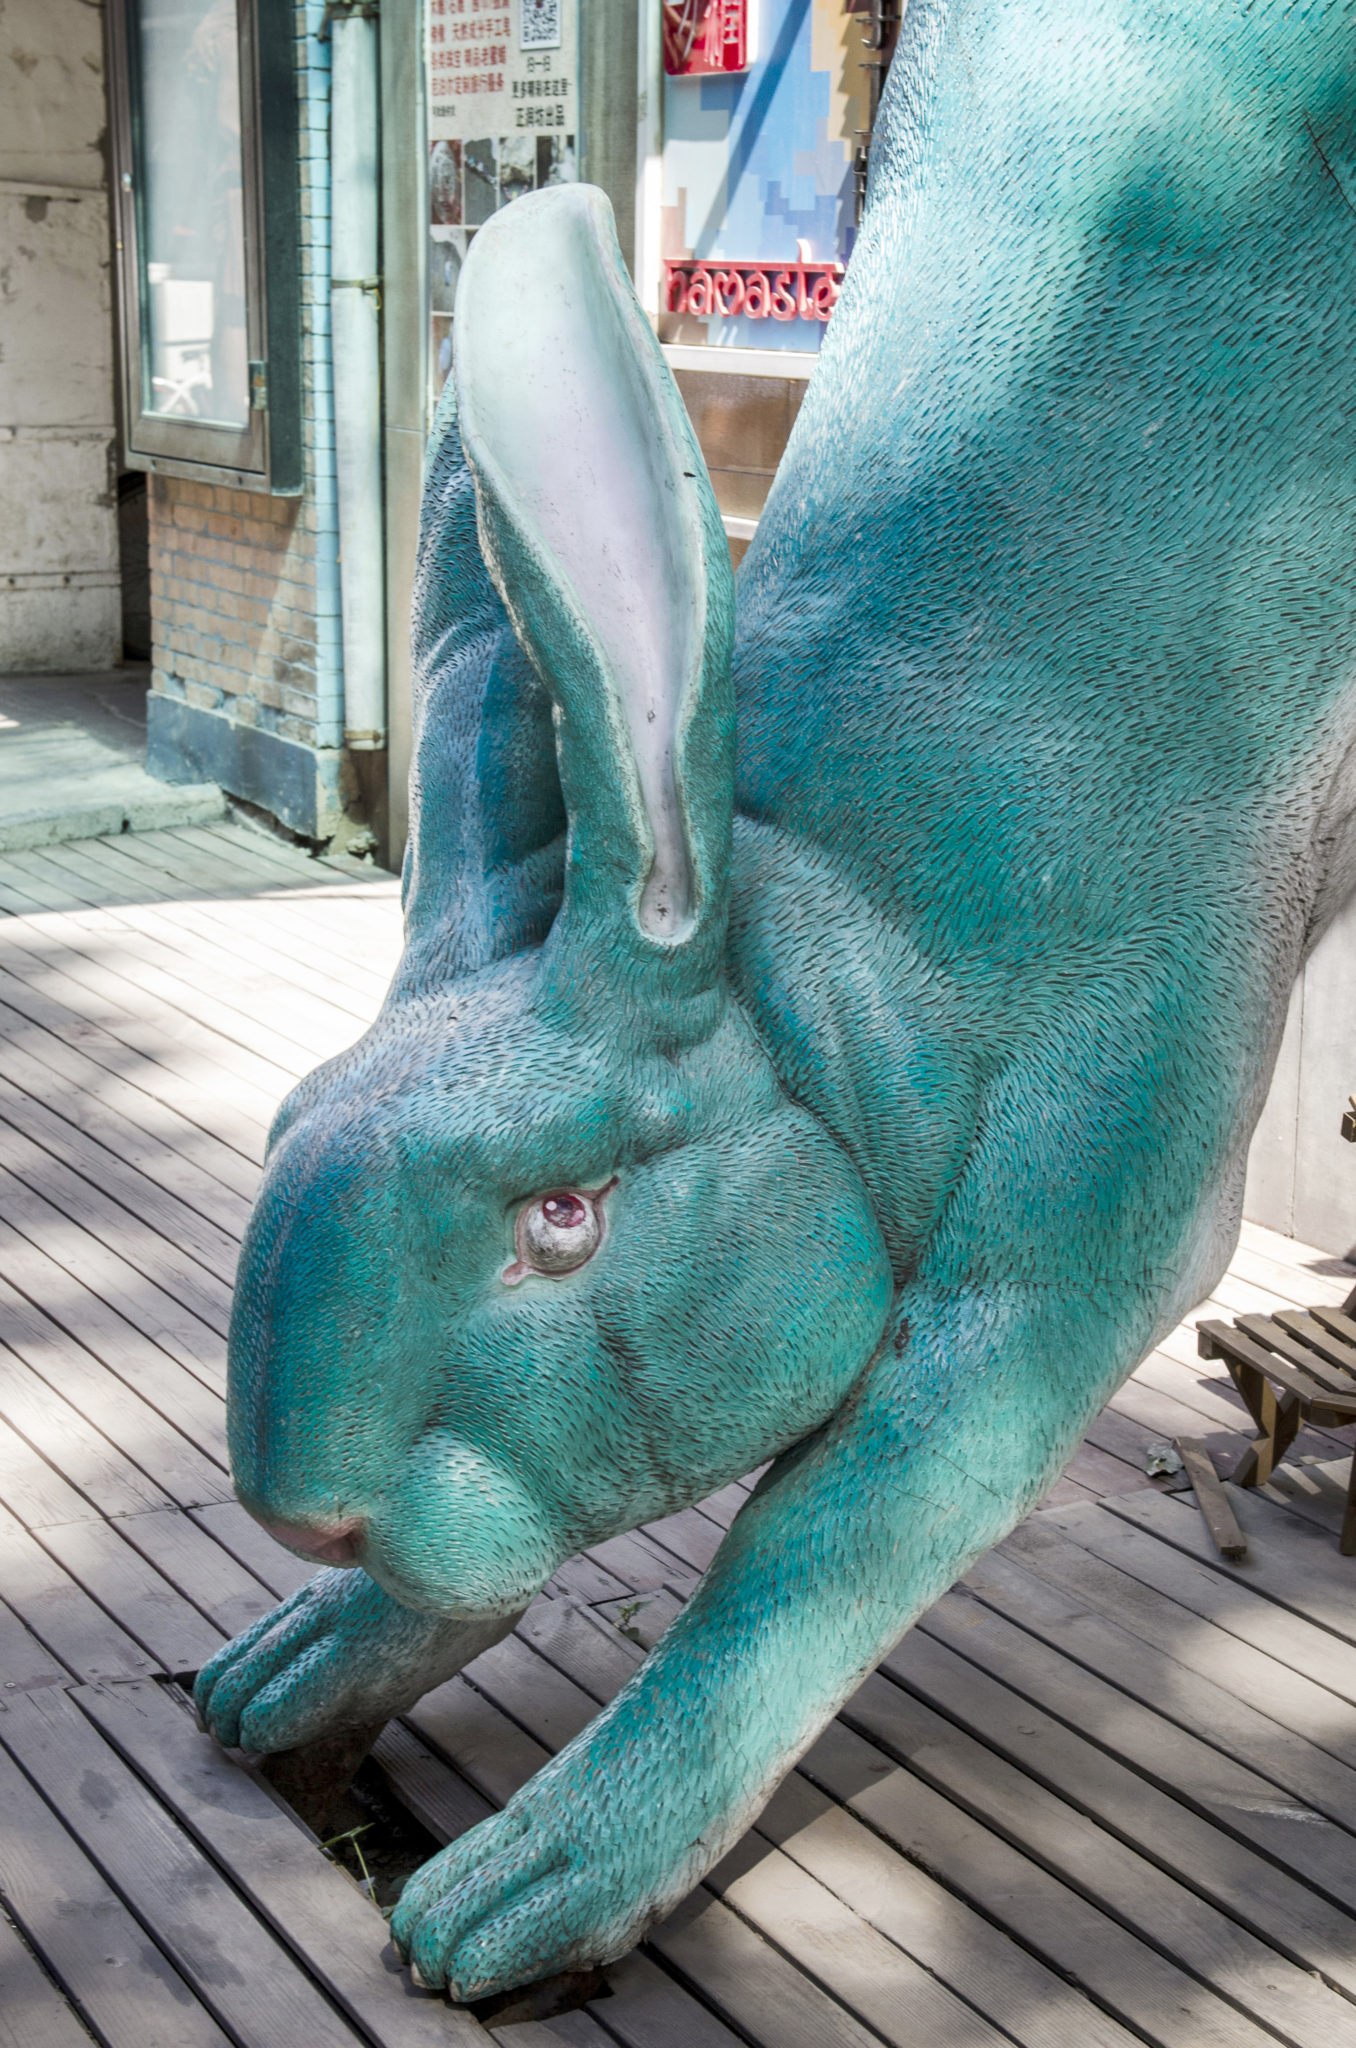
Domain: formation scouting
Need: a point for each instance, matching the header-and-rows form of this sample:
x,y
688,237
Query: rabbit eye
x,y
559,1232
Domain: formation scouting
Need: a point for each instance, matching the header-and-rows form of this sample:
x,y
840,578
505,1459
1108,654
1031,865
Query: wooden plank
x,y
1224,1340
439,1797
1314,1490
585,1645
25,892
543,1702
773,1825
144,1018
192,1117
105,950
85,1458
283,931
1231,1795
145,1606
1102,1472
71,1626
160,1144
33,2013
1167,1968
85,1934
1213,1397
1341,1325
1304,1258
31,1489
852,1961
1160,1417
487,1749
150,1231
260,1010
579,1578
143,1194
227,1524
1062,1616
1237,1882
1300,1284
1211,1498
308,1902
749,1983
24,1661
176,1427
642,1565
136,1297
199,1568
688,1536
1154,1617
1273,1334
1289,1559
567,2030
186,1075
1233,1607
227,1955
312,998
239,902
650,2009
1037,2006
570,1635
1315,1335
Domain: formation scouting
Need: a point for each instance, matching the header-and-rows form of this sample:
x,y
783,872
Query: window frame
x,y
266,453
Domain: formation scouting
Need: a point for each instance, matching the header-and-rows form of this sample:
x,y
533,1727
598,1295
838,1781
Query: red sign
x,y
702,36
757,291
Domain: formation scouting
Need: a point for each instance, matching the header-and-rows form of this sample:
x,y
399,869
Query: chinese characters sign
x,y
501,67
703,36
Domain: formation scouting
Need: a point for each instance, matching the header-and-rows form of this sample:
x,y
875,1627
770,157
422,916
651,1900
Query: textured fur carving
x,y
920,1084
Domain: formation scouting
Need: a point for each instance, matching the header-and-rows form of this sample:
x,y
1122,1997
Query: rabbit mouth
x,y
336,1544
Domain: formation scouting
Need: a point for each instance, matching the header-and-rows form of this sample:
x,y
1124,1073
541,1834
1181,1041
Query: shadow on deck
x,y
1104,1793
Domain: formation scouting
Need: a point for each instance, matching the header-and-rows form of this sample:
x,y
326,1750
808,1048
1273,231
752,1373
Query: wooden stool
x,y
1298,1366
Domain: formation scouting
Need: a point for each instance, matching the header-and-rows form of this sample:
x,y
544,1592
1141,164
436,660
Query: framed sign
x,y
503,119
702,37
206,207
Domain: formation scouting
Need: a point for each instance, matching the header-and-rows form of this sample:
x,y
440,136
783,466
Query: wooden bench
x,y
1295,1367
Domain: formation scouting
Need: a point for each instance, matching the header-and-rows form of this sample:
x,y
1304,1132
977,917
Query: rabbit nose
x,y
336,1543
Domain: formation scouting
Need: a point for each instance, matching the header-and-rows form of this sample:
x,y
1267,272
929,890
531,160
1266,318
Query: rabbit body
x,y
886,992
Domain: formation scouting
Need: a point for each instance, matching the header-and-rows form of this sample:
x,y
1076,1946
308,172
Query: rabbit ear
x,y
487,826
600,529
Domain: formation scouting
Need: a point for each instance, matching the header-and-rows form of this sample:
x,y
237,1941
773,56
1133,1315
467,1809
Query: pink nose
x,y
335,1544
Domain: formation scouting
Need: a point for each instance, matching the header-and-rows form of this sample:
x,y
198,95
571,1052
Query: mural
x,y
758,165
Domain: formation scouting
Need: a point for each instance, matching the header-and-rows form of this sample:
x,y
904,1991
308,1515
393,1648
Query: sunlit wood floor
x,y
1105,1793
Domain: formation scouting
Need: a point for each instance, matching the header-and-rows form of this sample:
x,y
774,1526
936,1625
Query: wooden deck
x,y
1105,1793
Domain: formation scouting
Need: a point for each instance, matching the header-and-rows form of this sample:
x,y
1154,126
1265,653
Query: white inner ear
x,y
553,387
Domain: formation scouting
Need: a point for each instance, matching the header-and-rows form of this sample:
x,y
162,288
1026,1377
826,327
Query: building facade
x,y
230,237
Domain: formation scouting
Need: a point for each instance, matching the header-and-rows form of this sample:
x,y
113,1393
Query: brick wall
x,y
233,624
245,588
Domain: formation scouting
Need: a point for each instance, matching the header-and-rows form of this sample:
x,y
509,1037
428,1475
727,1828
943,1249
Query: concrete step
x,y
71,755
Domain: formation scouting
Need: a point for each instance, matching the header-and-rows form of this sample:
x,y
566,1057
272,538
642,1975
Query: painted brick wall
x,y
245,619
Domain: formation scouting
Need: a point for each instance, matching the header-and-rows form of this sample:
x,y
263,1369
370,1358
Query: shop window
x,y
205,165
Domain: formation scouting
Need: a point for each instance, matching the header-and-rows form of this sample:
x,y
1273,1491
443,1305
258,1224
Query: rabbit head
x,y
551,1251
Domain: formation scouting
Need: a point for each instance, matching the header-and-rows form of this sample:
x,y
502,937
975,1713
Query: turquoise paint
x,y
1043,744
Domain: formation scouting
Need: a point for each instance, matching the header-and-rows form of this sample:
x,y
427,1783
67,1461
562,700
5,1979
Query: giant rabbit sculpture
x,y
851,1063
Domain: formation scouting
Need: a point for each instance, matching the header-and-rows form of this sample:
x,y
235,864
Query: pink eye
x,y
557,1233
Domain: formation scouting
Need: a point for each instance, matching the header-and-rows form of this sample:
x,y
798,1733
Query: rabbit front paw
x,y
563,1879
339,1654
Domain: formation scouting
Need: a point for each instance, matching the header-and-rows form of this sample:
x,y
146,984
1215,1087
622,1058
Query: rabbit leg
x,y
339,1654
849,1537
